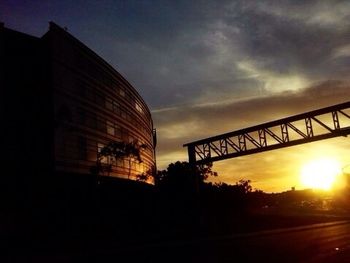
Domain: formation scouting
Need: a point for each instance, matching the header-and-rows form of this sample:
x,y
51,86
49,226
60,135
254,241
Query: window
x,y
100,99
110,128
99,148
91,121
133,165
131,139
109,104
122,92
81,116
138,107
118,131
116,108
120,162
82,146
91,150
81,89
101,125
129,97
125,135
90,95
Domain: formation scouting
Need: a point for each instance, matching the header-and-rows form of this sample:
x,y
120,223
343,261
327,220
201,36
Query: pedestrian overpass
x,y
303,128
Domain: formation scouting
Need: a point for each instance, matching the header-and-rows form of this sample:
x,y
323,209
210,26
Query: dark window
x,y
90,95
116,108
109,104
81,117
101,124
82,148
125,135
81,89
123,114
118,131
100,99
91,121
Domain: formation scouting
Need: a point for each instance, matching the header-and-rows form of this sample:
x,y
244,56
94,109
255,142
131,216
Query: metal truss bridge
x,y
303,128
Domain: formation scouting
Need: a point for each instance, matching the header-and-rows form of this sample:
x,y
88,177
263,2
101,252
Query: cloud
x,y
233,114
324,13
209,51
342,51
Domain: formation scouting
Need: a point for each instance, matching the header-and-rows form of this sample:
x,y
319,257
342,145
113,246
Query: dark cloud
x,y
285,43
197,49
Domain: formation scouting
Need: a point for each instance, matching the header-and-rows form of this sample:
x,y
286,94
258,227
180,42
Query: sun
x,y
320,173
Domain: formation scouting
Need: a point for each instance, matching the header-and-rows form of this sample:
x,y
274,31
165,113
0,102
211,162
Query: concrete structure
x,y
61,103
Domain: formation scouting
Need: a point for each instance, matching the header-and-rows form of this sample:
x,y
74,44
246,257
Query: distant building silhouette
x,y
61,103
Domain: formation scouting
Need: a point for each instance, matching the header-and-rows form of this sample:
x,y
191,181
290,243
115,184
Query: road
x,y
329,242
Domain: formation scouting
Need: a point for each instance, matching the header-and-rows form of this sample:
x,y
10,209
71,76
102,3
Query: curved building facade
x,y
93,106
64,103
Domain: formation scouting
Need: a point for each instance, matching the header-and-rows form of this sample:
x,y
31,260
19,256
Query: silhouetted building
x,y
61,103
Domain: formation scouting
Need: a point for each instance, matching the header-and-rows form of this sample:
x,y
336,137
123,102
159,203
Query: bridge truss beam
x,y
303,128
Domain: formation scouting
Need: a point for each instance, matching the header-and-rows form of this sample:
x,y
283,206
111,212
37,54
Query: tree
x,y
244,186
132,151
145,176
117,150
181,174
204,171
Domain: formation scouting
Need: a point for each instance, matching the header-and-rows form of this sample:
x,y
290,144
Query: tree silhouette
x,y
132,151
244,186
145,176
117,150
204,171
181,174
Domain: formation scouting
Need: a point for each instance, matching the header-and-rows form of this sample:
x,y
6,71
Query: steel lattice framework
x,y
299,129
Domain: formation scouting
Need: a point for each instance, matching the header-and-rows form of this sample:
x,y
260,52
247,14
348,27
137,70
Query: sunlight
x,y
320,173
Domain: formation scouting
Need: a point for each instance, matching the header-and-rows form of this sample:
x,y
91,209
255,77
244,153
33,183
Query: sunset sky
x,y
209,67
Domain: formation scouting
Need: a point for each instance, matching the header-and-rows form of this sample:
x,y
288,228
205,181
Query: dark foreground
x,y
128,222
329,242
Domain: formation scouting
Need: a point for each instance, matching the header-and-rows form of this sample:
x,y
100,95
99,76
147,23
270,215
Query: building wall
x,y
26,121
94,105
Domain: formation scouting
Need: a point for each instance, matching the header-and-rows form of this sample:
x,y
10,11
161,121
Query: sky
x,y
210,67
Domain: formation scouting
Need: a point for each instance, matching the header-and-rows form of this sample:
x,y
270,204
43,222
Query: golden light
x,y
320,173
